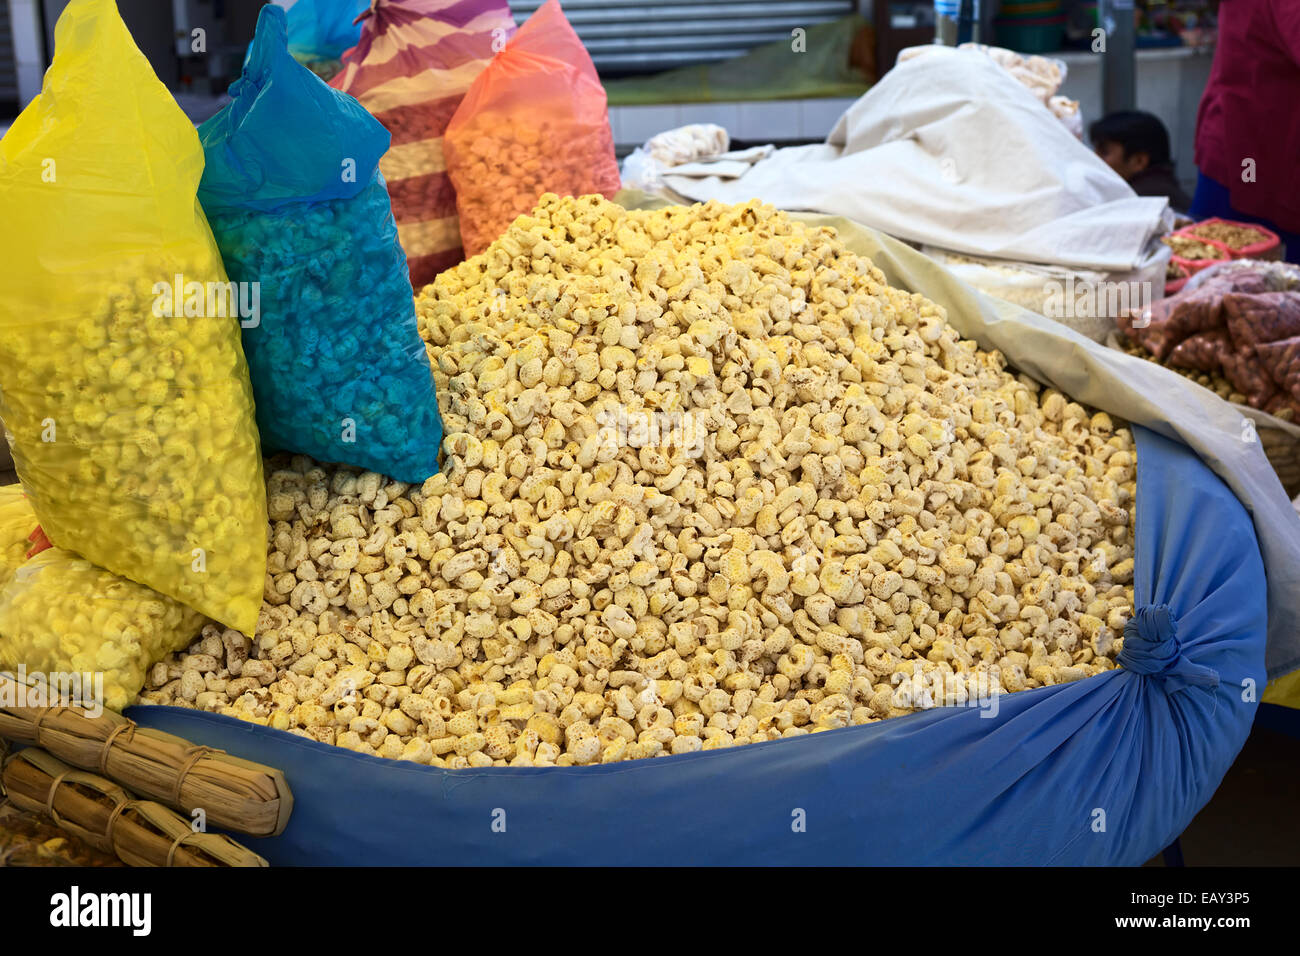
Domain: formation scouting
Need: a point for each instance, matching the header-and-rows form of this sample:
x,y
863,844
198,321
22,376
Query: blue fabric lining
x,y
1107,770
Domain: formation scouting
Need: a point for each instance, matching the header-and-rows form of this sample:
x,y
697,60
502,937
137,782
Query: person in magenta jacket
x,y
1247,128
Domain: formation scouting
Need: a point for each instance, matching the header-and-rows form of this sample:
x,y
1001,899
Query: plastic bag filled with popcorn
x,y
17,522
534,122
292,189
410,69
61,614
122,377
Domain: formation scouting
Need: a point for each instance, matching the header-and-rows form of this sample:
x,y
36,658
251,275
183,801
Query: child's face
x,y
1126,166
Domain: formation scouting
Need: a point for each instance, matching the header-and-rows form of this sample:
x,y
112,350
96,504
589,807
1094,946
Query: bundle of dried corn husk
x,y
82,804
96,810
235,794
30,840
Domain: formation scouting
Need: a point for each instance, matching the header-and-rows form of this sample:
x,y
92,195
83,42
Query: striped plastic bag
x,y
413,64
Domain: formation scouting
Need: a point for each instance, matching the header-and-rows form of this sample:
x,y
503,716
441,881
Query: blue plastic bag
x,y
324,29
293,193
1107,770
320,32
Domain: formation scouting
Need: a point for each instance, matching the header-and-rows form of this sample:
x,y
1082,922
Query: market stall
x,y
726,528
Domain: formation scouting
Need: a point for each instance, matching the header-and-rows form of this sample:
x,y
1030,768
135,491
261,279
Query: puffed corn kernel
x,y
707,480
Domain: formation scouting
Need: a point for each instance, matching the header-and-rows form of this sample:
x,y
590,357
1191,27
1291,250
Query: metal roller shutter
x,y
8,67
629,36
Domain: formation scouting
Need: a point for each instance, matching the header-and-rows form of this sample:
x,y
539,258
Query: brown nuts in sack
x,y
1203,351
1262,317
1282,361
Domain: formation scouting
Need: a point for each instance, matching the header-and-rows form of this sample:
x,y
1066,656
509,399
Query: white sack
x,y
951,151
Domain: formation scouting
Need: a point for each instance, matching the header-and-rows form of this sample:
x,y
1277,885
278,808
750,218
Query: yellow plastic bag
x,y
130,406
17,521
60,614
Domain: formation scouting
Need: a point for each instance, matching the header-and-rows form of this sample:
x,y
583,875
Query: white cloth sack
x,y
951,151
1056,292
730,165
1041,75
644,167
686,143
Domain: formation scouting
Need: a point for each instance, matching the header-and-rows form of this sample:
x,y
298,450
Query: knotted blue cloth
x,y
1152,648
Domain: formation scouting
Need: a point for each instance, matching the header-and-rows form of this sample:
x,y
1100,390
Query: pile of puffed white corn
x,y
707,481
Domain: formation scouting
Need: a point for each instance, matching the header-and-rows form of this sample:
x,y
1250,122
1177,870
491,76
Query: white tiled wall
x,y
759,120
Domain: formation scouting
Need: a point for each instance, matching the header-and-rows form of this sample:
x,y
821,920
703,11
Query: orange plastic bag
x,y
534,122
